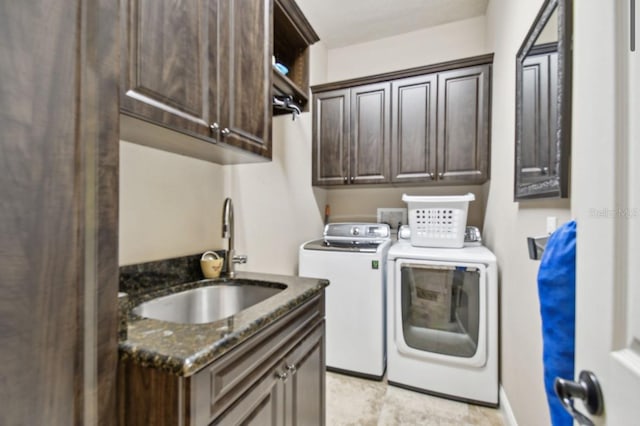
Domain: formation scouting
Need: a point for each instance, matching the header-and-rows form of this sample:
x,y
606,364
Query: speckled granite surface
x,y
183,349
145,277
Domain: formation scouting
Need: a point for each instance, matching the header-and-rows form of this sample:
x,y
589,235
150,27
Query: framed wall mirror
x,y
543,105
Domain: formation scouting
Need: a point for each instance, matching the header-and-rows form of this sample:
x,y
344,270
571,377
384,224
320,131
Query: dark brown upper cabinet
x,y
331,124
292,37
244,88
543,105
413,129
353,125
200,68
463,125
370,119
435,129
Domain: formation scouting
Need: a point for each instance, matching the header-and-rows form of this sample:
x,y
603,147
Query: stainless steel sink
x,y
205,304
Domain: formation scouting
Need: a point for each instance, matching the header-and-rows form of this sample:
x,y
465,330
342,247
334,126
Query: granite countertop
x,y
183,349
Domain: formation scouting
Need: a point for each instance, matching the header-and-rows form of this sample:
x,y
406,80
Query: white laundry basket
x,y
438,221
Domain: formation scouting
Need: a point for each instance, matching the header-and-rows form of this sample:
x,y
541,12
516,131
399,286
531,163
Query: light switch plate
x,y
395,217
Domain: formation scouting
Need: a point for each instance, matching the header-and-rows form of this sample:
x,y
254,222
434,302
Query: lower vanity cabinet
x,y
276,377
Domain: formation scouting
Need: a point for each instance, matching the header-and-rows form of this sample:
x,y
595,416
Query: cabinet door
x,y
539,114
370,129
263,405
463,125
244,87
165,66
331,137
305,389
413,129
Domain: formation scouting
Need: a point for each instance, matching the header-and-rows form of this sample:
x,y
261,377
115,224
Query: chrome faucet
x,y
227,232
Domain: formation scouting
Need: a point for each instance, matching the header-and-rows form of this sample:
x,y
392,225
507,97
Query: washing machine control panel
x,y
356,232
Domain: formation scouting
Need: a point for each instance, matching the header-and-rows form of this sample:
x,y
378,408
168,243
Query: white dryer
x,y
352,256
442,321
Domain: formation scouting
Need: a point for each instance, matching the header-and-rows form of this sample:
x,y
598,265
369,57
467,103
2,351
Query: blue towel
x,y
557,292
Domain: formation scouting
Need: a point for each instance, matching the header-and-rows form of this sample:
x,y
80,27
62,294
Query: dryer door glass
x,y
440,307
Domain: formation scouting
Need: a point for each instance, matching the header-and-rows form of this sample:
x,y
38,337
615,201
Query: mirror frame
x,y
557,184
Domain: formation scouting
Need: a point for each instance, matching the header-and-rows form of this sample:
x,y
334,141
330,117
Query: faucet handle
x,y
240,258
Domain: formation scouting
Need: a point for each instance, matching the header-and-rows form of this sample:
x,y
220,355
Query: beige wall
x,y
170,205
508,223
424,47
356,205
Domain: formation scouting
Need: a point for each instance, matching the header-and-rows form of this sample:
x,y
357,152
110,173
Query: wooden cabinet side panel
x,y
244,58
463,125
58,152
413,129
370,134
330,137
165,62
100,137
149,396
40,213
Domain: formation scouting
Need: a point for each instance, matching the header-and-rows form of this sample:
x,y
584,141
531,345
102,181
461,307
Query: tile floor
x,y
361,402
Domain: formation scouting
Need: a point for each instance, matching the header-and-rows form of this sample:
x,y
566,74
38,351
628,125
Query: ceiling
x,y
344,22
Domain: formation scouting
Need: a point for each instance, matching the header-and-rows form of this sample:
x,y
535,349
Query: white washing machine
x,y
352,256
442,321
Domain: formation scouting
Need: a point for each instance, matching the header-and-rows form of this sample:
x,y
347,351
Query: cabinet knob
x,y
291,368
282,375
440,175
432,176
352,179
225,131
345,179
214,127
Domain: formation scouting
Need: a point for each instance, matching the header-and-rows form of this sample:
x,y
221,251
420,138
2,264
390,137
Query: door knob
x,y
586,389
282,376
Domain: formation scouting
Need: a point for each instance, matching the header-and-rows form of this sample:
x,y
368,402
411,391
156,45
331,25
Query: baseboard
x,y
506,410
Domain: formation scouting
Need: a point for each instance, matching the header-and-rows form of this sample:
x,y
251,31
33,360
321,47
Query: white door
x,y
606,203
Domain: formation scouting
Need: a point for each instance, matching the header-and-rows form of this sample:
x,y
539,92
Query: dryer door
x,y
441,311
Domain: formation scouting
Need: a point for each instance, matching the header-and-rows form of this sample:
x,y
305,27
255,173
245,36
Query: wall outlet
x,y
394,217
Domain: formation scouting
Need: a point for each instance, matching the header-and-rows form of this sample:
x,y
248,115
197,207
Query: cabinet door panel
x,y
306,390
370,118
244,59
263,405
165,62
413,129
463,125
330,137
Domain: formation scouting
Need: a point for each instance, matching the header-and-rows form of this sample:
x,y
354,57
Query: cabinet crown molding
x,y
410,72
